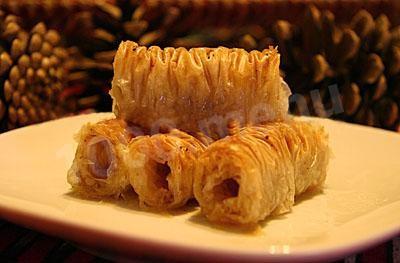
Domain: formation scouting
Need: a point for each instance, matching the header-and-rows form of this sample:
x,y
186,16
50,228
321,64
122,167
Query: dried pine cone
x,y
32,69
190,15
361,57
94,26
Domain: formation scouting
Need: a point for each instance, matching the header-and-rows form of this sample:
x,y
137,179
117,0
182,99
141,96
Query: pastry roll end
x,y
258,170
98,169
161,168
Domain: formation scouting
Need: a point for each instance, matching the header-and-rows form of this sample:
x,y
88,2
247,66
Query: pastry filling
x,y
100,157
157,174
228,188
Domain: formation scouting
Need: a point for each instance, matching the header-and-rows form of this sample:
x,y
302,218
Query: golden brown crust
x,y
258,171
161,168
193,89
98,169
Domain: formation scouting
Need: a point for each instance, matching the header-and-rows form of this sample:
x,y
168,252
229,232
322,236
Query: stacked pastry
x,y
185,102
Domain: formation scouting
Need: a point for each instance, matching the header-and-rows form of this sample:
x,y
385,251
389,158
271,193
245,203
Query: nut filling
x,y
228,188
100,156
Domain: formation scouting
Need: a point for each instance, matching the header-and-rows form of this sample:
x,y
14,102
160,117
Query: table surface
x,y
25,245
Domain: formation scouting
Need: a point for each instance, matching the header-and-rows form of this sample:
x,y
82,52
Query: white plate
x,y
360,205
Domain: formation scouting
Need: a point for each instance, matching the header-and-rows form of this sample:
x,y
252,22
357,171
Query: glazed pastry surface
x,y
98,168
161,168
197,89
258,171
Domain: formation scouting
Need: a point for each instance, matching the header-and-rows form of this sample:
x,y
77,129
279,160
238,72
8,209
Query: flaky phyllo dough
x,y
161,168
238,175
98,169
197,89
258,171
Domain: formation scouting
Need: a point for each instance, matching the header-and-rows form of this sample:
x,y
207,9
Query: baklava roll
x,y
161,168
245,177
98,169
200,89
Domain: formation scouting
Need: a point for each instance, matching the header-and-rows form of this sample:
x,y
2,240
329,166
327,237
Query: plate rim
x,y
132,246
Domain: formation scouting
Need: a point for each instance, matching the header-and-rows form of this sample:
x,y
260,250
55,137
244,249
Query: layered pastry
x,y
259,170
218,130
198,89
98,169
161,168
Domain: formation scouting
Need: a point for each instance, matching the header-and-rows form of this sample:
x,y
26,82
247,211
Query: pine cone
x,y
361,57
97,31
192,15
32,69
94,26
